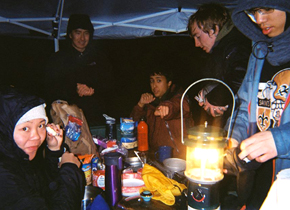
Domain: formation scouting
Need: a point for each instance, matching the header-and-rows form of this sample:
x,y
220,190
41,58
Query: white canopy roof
x,y
111,18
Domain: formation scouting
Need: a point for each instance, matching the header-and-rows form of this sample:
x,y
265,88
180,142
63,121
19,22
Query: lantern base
x,y
189,208
203,196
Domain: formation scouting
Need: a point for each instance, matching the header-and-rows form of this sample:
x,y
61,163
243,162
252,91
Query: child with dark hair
x,y
161,108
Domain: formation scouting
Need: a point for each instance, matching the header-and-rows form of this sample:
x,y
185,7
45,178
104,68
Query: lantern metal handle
x,y
194,83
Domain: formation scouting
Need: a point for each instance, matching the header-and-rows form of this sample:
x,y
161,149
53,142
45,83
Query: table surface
x,y
137,203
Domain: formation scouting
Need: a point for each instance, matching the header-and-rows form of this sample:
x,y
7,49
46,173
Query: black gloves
x,y
245,173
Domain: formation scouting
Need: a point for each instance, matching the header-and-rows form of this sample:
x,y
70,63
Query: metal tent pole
x,y
57,24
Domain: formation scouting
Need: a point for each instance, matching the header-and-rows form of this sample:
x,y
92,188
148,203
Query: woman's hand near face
x,y
68,157
161,111
54,141
146,98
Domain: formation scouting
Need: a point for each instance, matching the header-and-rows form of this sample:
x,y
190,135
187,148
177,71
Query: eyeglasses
x,y
262,11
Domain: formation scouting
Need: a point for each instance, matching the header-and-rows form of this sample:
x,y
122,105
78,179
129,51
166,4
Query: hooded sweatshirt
x,y
253,112
275,46
228,63
39,183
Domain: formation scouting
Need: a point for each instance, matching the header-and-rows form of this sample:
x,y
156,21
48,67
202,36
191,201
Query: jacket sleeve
x,y
138,112
174,107
51,162
66,184
239,124
67,190
240,118
281,137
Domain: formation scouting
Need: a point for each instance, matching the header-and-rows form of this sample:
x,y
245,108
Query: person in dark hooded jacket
x,y
79,74
227,53
261,128
32,177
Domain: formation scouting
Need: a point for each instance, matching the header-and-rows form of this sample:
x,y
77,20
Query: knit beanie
x,y
34,113
81,21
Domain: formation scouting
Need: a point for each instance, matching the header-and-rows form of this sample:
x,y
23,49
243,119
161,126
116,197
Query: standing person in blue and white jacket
x,y
261,125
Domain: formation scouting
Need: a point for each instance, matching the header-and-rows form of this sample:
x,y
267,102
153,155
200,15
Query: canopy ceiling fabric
x,y
111,18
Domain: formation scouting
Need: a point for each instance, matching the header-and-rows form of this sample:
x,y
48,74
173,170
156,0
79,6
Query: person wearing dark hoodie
x,y
261,127
161,109
227,53
32,174
79,73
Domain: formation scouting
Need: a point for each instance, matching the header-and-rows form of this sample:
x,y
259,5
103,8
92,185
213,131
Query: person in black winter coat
x,y
79,74
227,56
227,53
32,174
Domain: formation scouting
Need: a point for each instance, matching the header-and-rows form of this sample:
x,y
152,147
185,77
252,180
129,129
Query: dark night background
x,y
23,62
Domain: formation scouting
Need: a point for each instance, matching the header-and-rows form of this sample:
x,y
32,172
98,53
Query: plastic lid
x,y
109,120
112,158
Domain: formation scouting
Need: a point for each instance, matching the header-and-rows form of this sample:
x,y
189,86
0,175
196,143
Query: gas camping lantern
x,y
204,160
204,166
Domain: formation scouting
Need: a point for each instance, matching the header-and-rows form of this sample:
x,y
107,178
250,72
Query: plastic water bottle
x,y
111,132
142,135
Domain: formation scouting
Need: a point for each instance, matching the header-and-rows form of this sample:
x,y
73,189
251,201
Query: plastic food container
x,y
131,184
175,164
146,195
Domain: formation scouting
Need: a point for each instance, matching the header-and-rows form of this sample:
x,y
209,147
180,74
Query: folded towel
x,y
162,188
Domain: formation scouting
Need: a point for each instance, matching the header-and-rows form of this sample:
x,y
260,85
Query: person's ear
x,y
214,32
169,83
70,36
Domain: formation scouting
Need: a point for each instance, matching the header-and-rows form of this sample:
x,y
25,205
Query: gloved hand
x,y
245,173
234,165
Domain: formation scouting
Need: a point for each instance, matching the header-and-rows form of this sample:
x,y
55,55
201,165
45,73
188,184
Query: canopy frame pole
x,y
17,21
57,24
